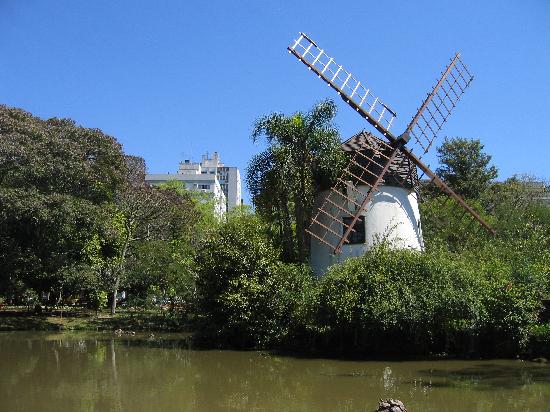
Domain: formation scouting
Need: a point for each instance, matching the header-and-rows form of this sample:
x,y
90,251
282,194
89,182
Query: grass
x,y
19,318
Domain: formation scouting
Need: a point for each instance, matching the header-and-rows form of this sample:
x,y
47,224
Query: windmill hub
x,y
405,137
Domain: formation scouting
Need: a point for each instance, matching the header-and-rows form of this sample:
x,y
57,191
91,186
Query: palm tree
x,y
303,151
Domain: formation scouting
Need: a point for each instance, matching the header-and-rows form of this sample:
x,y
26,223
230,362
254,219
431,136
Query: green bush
x,y
30,298
245,296
396,301
541,333
161,272
388,300
402,300
539,341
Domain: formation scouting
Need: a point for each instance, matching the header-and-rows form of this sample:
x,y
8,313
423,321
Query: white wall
x,y
233,188
392,216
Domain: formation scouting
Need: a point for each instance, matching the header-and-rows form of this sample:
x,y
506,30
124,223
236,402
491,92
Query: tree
x,y
72,205
162,268
303,152
203,202
143,213
55,180
465,167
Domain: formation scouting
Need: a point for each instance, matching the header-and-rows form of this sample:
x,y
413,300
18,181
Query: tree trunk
x,y
287,238
300,230
300,202
58,303
301,217
115,292
119,271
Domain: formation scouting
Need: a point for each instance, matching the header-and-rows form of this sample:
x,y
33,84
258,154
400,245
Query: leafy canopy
x,y
465,167
55,178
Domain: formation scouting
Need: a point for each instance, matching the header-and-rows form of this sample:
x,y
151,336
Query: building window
x,y
206,187
358,236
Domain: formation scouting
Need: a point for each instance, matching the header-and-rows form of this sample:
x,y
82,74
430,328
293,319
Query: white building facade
x,y
195,182
228,176
209,176
230,180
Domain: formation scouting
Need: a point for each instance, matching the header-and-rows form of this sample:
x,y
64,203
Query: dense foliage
x,y
397,302
246,296
436,301
55,179
75,211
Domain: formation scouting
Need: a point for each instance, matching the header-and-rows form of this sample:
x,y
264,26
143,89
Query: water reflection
x,y
43,372
388,379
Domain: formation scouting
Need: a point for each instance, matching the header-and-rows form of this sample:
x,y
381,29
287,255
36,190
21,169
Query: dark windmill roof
x,y
402,172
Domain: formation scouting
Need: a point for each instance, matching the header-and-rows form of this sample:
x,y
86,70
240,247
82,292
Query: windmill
x,y
379,167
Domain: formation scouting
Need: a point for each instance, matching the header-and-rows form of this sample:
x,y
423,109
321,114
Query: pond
x,y
105,372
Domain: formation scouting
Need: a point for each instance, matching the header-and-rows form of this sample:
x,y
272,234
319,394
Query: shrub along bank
x,y
405,301
385,302
246,297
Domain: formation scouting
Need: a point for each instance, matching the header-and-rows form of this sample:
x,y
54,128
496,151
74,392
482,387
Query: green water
x,y
102,372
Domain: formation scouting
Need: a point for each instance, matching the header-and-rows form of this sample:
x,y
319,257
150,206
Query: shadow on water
x,y
488,376
155,322
154,342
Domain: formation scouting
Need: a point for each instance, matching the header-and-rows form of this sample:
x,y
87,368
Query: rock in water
x,y
391,405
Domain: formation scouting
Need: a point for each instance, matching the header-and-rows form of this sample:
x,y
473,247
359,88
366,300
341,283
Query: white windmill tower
x,y
376,196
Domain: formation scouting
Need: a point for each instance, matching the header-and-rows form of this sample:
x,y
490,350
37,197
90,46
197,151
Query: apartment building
x,y
209,176
197,182
228,176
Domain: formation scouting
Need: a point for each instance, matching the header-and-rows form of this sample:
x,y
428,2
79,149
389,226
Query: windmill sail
x,y
355,93
438,105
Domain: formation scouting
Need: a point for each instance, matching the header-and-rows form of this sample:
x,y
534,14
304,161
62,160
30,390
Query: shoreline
x,y
88,321
145,324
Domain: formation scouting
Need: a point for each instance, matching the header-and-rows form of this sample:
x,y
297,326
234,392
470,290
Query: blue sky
x,y
174,79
